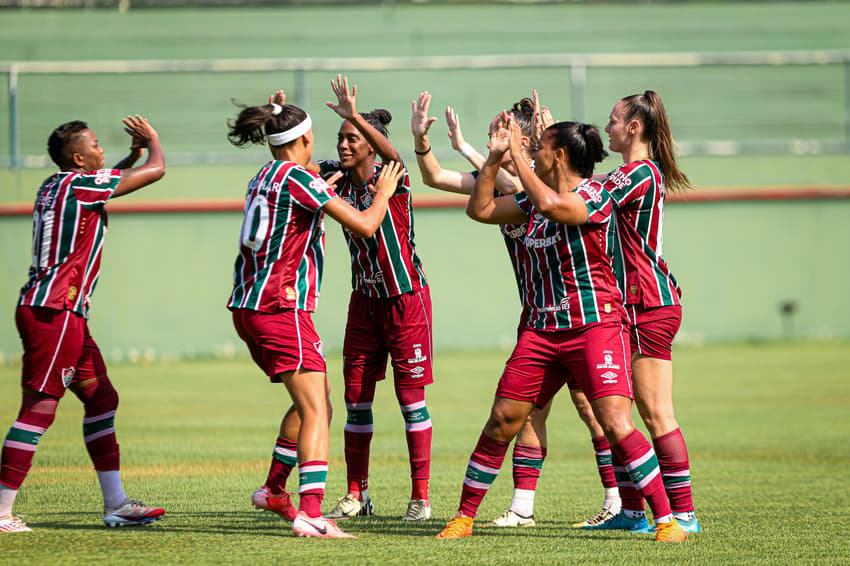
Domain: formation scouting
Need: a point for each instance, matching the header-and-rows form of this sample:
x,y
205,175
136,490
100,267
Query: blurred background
x,y
758,96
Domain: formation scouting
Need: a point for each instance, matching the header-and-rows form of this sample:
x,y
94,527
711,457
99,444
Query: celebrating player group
x,y
599,307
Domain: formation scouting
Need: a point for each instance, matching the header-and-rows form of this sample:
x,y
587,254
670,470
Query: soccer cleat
x,y
458,527
13,524
601,517
688,525
417,510
670,532
133,512
350,506
282,505
510,519
304,526
620,522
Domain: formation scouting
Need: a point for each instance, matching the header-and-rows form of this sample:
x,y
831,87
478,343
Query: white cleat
x,y
417,510
132,512
350,506
13,524
510,519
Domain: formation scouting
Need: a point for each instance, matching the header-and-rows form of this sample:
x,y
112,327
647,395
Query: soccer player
x,y
575,314
389,313
639,129
277,277
69,225
530,447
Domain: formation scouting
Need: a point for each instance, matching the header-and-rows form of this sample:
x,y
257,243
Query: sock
x,y
675,470
630,498
7,500
612,501
604,462
418,430
312,477
100,401
481,472
34,418
359,427
527,462
110,486
284,460
642,467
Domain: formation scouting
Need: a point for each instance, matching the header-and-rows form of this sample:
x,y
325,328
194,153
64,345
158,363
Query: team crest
x,y
417,355
68,376
289,293
72,293
609,362
319,348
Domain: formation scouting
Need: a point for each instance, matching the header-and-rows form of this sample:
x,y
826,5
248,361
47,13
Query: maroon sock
x,y
527,462
675,469
484,465
284,460
642,466
604,462
100,401
34,418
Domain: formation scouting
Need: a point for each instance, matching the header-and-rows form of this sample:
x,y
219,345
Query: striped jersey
x,y
638,191
69,224
385,265
282,241
569,275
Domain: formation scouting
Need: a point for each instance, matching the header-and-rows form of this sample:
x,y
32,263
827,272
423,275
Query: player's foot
x,y
670,532
13,524
132,512
510,519
417,510
604,515
304,526
689,525
351,506
620,522
458,527
280,504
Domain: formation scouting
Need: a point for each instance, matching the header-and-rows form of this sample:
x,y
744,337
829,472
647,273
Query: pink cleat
x,y
305,526
280,504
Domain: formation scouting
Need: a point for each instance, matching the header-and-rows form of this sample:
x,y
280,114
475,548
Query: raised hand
x,y
278,98
455,134
500,135
387,181
542,117
346,105
420,122
140,131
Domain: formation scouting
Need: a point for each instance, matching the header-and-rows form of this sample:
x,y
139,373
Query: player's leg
x,y
94,389
527,462
600,360
309,390
611,502
507,417
407,332
272,495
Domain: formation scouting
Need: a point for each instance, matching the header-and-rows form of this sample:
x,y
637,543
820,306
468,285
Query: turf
x,y
766,427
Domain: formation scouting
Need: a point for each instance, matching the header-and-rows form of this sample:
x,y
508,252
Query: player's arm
x,y
433,175
482,205
505,182
347,109
365,223
153,169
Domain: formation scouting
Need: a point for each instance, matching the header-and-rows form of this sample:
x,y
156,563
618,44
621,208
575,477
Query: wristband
x,y
466,150
422,152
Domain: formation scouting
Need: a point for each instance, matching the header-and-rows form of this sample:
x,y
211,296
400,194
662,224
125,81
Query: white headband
x,y
276,109
282,138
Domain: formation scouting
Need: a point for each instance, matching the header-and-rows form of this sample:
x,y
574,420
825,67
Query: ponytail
x,y
648,109
582,143
254,123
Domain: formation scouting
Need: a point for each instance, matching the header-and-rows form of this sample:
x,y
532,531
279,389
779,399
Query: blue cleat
x,y
622,523
690,526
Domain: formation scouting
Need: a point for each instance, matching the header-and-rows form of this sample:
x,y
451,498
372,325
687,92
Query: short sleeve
x,y
93,190
328,167
628,183
523,203
597,200
309,190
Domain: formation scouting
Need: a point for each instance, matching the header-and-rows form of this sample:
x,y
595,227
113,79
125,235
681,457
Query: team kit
x,y
599,306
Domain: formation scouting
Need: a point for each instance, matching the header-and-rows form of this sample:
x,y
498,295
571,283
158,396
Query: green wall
x,y
166,277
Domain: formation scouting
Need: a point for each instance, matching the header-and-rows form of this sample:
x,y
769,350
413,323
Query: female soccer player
x,y
389,312
575,314
530,446
277,278
638,129
53,309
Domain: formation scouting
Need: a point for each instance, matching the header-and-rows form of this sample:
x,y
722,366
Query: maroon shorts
x,y
652,330
595,355
58,350
280,342
569,378
398,327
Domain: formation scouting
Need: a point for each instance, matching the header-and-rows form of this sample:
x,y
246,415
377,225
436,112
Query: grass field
x,y
767,429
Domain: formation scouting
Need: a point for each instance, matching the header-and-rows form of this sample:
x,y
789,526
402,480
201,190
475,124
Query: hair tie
x,y
282,138
276,109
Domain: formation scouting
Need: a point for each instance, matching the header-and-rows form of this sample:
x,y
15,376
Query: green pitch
x,y
767,430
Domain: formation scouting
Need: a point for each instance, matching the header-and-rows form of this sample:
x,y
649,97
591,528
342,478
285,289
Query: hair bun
x,y
383,115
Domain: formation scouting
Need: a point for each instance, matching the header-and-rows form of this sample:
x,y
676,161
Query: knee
x,y
100,397
504,422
